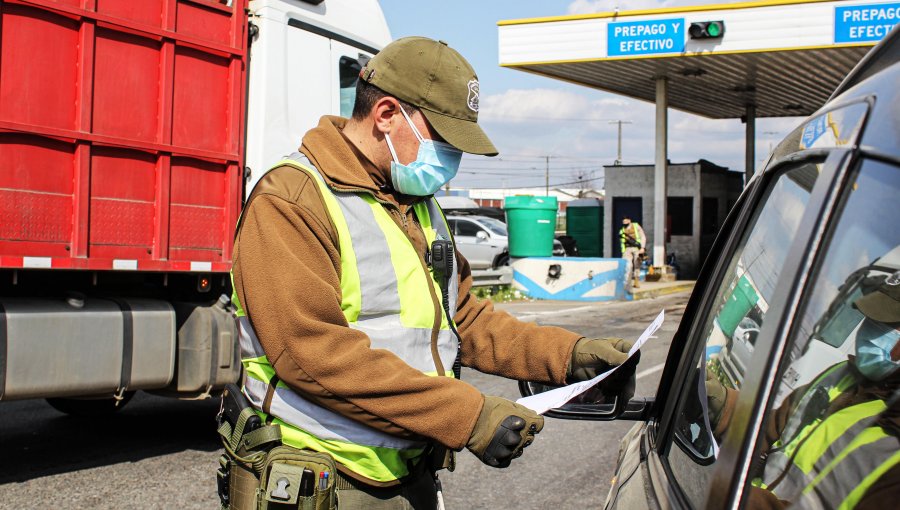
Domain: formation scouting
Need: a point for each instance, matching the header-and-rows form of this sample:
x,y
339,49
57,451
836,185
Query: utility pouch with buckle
x,y
246,441
297,479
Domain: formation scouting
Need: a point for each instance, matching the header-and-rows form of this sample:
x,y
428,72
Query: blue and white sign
x,y
813,130
865,23
580,279
645,37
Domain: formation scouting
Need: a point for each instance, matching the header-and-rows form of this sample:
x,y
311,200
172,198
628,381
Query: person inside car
x,y
835,443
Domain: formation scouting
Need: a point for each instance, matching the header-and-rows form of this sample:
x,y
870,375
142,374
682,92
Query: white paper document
x,y
543,402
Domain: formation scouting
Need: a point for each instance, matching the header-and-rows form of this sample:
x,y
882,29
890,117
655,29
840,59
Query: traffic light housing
x,y
707,30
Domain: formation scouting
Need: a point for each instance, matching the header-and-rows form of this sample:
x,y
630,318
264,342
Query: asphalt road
x,y
162,453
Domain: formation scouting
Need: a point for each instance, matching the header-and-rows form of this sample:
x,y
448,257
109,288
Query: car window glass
x,y
732,325
495,226
348,75
832,433
467,228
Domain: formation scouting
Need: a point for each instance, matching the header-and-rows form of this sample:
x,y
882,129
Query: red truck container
x,y
122,172
121,133
121,164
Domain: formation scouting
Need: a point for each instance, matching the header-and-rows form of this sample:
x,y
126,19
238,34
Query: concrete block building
x,y
699,197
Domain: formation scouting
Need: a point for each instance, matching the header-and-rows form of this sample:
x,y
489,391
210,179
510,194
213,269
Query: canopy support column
x,y
659,175
750,143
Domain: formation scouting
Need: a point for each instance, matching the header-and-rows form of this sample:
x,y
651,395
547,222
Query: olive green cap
x,y
883,303
436,79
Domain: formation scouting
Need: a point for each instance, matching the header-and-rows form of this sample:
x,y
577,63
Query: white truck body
x,y
295,70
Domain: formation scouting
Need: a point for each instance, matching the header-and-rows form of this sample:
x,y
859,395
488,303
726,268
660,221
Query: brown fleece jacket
x,y
287,277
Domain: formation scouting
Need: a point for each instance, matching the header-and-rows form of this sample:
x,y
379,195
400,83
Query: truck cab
x,y
305,60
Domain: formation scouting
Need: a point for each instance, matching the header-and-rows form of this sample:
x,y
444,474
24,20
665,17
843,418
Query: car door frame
x,y
729,475
661,414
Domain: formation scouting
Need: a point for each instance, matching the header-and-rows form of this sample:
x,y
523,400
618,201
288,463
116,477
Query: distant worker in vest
x,y
355,312
632,241
835,443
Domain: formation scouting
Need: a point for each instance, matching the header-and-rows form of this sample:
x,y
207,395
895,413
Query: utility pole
x,y
547,175
749,142
770,139
619,152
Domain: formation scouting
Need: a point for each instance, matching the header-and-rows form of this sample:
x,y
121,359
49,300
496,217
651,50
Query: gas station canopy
x,y
784,58
780,58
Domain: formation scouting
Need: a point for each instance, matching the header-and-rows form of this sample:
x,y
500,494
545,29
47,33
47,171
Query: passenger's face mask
x,y
874,342
436,163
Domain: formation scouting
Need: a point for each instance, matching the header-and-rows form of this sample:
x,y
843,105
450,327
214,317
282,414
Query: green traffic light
x,y
707,29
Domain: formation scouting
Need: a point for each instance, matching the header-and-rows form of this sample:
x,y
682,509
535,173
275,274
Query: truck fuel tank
x,y
84,346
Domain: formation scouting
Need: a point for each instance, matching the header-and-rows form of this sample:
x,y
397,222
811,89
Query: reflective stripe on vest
x,y
386,305
636,236
831,462
854,468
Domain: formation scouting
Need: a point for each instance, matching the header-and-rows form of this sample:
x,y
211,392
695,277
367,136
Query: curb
x,y
662,291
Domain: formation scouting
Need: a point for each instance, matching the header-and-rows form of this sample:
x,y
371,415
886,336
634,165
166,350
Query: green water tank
x,y
736,307
531,222
584,223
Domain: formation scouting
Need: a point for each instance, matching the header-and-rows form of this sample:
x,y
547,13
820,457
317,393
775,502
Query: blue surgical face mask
x,y
436,163
874,342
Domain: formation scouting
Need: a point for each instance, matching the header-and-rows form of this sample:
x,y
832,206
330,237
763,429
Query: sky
x,y
531,117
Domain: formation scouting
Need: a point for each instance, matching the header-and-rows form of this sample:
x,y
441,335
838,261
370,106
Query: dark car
x,y
754,409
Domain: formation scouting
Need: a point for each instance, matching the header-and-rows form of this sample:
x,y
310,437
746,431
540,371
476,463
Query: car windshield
x,y
495,226
830,439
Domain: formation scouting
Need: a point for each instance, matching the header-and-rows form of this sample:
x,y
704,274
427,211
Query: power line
x,y
525,157
523,169
549,185
602,177
489,118
609,121
560,172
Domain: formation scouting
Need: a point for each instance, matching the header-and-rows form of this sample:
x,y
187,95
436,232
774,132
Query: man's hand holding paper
x,y
612,361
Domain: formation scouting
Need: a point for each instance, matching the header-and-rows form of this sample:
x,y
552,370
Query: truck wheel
x,y
502,260
89,407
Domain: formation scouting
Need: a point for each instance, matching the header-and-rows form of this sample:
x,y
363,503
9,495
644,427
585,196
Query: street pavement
x,y
162,453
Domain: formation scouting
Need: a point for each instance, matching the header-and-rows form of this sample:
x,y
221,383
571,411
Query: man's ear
x,y
383,113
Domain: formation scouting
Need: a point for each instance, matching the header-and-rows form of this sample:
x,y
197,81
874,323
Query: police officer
x,y
835,443
632,241
349,331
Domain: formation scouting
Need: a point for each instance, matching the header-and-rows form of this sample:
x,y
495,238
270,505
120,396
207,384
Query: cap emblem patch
x,y
473,95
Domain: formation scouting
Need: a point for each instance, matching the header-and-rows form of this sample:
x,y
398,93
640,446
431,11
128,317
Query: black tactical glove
x,y
502,431
592,356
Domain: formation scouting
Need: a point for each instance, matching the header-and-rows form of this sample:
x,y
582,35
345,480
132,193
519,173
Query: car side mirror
x,y
481,235
592,405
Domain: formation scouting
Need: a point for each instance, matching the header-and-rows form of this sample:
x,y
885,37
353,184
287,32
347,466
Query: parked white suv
x,y
483,241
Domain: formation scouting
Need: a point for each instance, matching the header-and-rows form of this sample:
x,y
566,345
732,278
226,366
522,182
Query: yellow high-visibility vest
x,y
830,460
385,304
